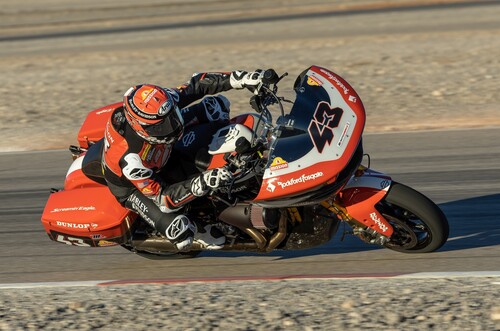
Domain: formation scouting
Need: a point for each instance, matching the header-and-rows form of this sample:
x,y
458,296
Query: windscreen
x,y
295,141
316,138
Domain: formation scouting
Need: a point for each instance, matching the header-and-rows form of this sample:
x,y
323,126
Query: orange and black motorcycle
x,y
295,180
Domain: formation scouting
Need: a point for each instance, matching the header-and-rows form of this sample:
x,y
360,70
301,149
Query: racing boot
x,y
209,237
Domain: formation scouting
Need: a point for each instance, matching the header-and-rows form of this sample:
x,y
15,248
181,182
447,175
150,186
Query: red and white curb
x,y
457,274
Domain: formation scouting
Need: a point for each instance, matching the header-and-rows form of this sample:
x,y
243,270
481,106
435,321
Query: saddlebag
x,y
89,216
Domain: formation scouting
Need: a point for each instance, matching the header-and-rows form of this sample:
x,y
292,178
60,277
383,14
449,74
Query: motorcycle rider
x,y
138,141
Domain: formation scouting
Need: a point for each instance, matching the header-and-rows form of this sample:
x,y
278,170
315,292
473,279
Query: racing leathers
x,y
132,166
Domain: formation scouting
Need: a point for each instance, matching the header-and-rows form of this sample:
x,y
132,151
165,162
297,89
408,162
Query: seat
x,y
91,164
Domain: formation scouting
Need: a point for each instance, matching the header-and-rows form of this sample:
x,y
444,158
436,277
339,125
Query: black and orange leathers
x,y
132,165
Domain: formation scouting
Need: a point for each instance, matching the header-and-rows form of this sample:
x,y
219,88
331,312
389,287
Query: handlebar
x,y
270,77
264,94
249,153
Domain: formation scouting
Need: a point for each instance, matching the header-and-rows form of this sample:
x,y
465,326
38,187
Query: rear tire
x,y
419,224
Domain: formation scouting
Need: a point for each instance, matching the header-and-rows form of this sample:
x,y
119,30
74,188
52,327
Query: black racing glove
x,y
210,180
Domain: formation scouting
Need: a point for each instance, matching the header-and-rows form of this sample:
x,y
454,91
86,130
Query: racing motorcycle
x,y
296,179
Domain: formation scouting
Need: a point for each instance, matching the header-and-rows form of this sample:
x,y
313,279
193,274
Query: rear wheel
x,y
419,224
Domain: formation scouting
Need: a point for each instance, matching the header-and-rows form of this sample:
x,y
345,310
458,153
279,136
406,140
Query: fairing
x,y
361,195
318,139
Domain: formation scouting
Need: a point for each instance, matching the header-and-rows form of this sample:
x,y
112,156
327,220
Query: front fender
x,y
362,193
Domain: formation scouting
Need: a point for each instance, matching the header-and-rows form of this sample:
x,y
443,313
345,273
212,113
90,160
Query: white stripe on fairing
x,y
437,275
76,165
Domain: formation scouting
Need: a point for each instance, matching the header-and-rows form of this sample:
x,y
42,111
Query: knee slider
x,y
216,108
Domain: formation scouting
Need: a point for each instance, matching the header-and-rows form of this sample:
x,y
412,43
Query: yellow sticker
x,y
313,81
278,163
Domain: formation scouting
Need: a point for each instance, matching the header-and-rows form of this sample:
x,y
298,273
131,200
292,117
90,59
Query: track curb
x,y
171,281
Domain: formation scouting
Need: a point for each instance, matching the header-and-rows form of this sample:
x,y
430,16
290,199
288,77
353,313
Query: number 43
x,y
71,241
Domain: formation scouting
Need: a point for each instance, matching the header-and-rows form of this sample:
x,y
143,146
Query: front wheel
x,y
419,224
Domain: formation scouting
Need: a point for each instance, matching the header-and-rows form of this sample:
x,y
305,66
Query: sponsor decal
x,y
179,226
313,81
78,208
143,114
165,107
352,98
234,190
135,170
188,139
270,186
138,204
301,179
76,225
336,80
278,163
148,94
109,137
104,243
231,134
147,191
377,221
384,184
97,236
146,156
137,111
107,110
163,152
182,198
214,110
140,173
344,134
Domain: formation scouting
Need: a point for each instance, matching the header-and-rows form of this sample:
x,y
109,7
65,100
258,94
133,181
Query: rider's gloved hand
x,y
181,232
210,180
251,80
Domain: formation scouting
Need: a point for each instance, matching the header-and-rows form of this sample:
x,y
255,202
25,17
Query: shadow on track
x,y
474,222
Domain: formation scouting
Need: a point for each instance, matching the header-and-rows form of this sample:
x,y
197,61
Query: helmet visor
x,y
169,129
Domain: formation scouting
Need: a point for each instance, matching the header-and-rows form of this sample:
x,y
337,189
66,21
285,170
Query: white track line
x,y
451,274
437,275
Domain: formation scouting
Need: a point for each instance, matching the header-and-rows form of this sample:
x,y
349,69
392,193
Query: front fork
x,y
355,205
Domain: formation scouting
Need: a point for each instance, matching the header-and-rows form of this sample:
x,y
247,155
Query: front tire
x,y
419,224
